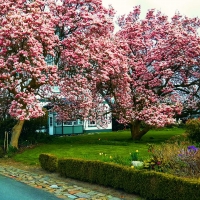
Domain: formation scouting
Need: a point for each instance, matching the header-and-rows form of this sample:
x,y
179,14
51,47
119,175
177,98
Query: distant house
x,y
73,127
77,126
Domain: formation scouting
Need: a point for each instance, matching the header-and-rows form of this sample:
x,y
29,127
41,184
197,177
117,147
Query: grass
x,y
112,146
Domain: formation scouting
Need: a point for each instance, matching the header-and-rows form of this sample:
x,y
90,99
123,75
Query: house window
x,y
49,59
51,121
78,122
68,123
91,123
105,116
59,123
56,89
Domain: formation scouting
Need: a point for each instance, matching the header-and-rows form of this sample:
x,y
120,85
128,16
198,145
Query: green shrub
x,y
48,162
11,151
6,125
34,138
28,133
149,184
193,129
179,140
135,155
153,163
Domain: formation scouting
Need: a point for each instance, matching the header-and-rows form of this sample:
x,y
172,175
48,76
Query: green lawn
x,y
113,145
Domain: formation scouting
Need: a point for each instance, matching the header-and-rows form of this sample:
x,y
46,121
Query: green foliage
x,y
11,151
35,138
1,152
6,125
193,129
148,184
121,160
31,126
118,159
135,156
153,164
179,140
28,133
48,162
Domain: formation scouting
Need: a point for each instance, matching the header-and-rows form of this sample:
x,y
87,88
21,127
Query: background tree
x,y
26,38
142,71
163,69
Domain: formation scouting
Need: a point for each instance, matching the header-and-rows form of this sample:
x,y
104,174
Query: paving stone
x,y
85,190
83,195
114,198
74,191
72,196
92,193
77,187
81,199
61,196
30,178
94,198
101,194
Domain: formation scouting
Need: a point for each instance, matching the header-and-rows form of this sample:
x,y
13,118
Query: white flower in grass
x,y
137,163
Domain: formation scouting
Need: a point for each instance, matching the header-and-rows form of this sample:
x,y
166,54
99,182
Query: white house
x,y
77,126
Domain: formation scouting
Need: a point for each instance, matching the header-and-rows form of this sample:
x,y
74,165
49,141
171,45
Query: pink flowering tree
x,y
163,69
26,38
142,72
88,57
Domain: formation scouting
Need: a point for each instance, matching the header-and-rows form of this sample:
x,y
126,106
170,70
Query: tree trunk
x,y
16,131
136,133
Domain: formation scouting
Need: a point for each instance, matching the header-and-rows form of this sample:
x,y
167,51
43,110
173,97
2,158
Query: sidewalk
x,y
64,188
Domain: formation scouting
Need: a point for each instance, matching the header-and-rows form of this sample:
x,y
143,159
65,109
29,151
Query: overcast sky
x,y
190,8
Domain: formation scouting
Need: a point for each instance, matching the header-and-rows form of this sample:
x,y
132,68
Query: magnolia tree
x,y
26,38
85,89
141,71
88,56
163,64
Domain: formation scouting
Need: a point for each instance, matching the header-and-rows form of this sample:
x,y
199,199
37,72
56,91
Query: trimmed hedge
x,y
48,162
149,184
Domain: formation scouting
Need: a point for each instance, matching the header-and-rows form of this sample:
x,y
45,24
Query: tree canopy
x,y
147,72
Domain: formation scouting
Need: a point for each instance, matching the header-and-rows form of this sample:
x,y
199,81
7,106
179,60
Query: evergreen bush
x,y
193,129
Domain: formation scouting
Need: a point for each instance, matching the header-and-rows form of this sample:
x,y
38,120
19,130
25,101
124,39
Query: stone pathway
x,y
63,189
